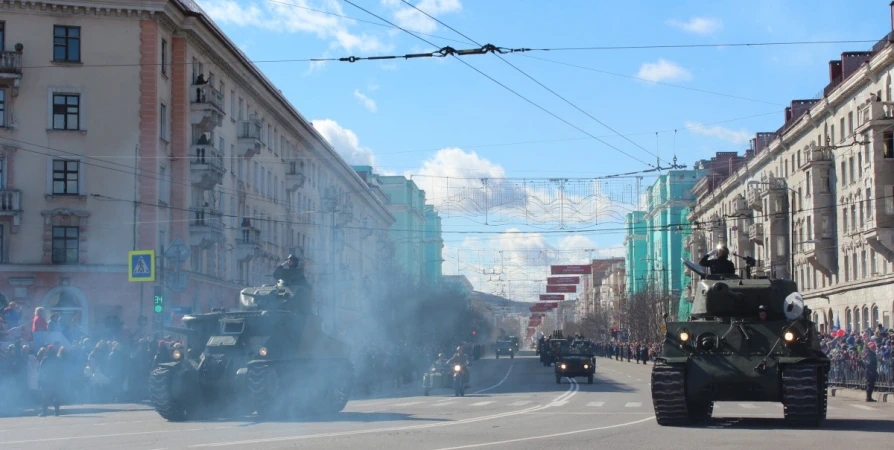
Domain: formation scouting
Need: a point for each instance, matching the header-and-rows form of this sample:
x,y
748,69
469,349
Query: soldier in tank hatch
x,y
720,265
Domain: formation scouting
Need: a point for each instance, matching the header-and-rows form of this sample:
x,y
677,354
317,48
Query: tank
x,y
269,356
726,352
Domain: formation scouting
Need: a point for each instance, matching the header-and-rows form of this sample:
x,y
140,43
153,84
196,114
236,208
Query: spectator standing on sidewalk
x,y
871,370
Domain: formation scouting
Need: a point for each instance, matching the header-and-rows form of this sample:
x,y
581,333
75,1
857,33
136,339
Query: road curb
x,y
884,397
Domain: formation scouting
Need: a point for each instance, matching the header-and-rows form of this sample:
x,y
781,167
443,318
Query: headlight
x,y
586,366
457,368
788,336
564,366
262,351
176,354
684,336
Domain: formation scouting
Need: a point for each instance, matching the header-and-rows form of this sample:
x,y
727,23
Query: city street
x,y
512,404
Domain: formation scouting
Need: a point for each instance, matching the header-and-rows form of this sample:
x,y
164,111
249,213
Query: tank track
x,y
162,398
272,404
805,394
266,403
669,398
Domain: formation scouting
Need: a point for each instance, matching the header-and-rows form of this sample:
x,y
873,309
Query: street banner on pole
x,y
567,288
563,280
553,297
580,269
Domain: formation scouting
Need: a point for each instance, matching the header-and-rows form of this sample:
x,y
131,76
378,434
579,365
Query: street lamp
x,y
791,223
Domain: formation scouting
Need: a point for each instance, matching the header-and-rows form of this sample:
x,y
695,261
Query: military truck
x,y
729,350
576,361
270,356
504,346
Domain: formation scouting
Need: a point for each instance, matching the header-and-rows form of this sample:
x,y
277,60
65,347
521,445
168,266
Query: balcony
x,y
248,242
11,206
206,228
206,107
11,68
294,175
874,113
880,239
821,254
819,155
739,205
753,198
756,233
206,167
249,138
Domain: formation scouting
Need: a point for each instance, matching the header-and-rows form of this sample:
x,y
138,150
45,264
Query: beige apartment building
x,y
126,125
814,201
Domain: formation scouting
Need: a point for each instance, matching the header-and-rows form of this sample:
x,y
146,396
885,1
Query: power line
x,y
740,44
499,83
581,110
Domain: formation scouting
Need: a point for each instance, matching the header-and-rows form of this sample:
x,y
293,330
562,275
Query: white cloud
x,y
725,134
697,25
454,176
291,18
364,100
345,142
414,20
663,70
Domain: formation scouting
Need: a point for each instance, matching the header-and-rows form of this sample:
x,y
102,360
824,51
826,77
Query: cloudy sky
x,y
448,125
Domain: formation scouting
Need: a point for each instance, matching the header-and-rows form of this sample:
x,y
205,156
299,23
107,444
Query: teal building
x,y
666,226
433,247
636,245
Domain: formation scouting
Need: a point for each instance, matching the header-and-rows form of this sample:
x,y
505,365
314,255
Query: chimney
x,y
788,114
892,15
835,68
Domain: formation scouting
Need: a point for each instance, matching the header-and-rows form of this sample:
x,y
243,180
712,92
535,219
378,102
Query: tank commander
x,y
291,272
720,265
762,312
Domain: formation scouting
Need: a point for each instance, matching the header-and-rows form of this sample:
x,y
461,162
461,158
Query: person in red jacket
x,y
40,322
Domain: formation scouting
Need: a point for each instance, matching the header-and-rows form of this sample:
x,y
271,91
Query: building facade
x,y
636,243
814,200
434,247
148,125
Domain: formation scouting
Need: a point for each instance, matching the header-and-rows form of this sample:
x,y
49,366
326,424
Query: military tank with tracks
x,y
727,351
269,356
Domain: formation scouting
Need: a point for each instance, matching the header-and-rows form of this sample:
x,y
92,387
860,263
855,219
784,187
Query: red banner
x,y
584,269
550,305
553,297
563,280
570,288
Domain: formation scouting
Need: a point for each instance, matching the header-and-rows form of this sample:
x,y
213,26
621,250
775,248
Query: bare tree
x,y
644,313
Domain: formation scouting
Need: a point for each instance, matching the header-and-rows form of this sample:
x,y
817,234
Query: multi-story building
x,y
434,246
666,198
138,123
636,243
815,199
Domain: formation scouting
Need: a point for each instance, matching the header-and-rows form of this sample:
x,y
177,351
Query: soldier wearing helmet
x,y
720,265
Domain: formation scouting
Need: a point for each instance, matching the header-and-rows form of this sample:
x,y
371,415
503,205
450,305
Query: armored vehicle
x,y
270,356
504,347
576,361
745,340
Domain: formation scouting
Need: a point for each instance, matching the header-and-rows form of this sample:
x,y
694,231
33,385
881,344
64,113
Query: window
x,y
850,173
826,226
889,199
860,165
65,245
832,134
843,136
2,176
163,122
222,145
844,217
164,186
2,106
232,104
808,183
888,141
847,273
854,217
240,108
873,270
862,219
843,173
780,246
809,228
66,111
850,122
66,43
232,158
869,202
66,177
854,262
2,36
164,56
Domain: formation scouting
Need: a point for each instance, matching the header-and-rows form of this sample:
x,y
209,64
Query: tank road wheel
x,y
161,395
803,394
263,386
669,395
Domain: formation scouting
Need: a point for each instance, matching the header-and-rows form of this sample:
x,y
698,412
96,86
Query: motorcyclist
x,y
439,363
461,359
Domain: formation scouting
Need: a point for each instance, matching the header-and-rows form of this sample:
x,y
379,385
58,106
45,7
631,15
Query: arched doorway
x,y
71,304
848,320
876,320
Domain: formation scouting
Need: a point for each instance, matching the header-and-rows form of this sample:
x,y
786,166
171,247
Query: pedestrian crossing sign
x,y
141,265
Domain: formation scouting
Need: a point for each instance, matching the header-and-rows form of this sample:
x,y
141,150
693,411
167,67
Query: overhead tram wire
x,y
501,84
569,102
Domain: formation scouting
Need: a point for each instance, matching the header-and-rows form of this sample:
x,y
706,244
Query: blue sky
x,y
440,121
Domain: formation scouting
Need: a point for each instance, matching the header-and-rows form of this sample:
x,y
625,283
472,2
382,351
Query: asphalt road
x,y
513,404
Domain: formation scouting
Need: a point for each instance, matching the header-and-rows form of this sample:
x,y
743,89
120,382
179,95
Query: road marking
x,y
498,384
747,405
104,436
558,403
406,404
568,394
633,404
444,403
867,408
595,404
521,403
548,436
481,403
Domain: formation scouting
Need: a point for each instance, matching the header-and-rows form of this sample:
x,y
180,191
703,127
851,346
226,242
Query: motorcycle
x,y
460,381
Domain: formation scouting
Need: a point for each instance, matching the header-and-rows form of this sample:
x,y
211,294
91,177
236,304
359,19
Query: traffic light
x,y
615,332
474,332
159,301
